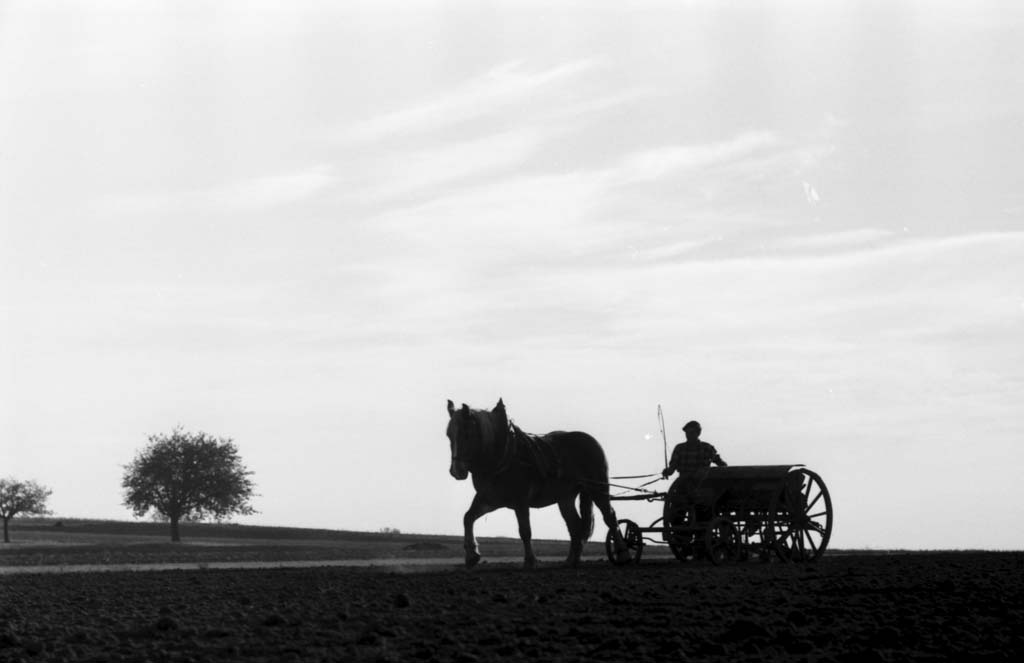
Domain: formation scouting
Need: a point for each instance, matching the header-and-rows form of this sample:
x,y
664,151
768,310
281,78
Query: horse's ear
x,y
451,409
465,410
500,405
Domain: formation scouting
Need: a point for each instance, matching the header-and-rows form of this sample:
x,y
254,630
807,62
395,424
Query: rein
x,y
636,489
515,440
473,447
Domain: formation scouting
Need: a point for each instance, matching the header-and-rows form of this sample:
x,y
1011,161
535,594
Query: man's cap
x,y
692,424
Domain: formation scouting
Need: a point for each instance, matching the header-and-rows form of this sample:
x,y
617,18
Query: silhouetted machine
x,y
732,513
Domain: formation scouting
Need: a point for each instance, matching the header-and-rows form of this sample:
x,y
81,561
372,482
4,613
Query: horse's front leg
x,y
526,534
476,509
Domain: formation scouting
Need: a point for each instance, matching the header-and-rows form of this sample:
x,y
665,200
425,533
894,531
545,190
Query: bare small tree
x,y
187,476
24,497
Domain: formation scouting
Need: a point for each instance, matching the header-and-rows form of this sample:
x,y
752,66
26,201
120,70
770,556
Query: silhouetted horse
x,y
520,471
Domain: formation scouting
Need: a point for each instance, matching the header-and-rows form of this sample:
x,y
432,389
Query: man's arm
x,y
715,458
672,463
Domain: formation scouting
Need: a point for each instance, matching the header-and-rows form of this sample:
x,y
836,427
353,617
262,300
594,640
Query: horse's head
x,y
461,435
471,434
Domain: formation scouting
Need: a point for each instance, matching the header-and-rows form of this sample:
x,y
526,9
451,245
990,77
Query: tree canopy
x,y
24,497
188,476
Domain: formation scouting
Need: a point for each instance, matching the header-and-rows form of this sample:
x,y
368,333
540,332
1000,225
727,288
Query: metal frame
x,y
759,511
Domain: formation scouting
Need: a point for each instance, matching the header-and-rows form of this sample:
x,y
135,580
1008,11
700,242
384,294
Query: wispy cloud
x,y
273,190
539,218
256,193
392,175
504,85
674,250
655,163
525,218
827,241
596,105
514,257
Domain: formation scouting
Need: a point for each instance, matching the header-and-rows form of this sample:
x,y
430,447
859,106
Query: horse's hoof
x,y
471,560
623,556
530,563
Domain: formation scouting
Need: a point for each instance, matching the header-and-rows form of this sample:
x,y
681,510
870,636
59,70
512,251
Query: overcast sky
x,y
306,225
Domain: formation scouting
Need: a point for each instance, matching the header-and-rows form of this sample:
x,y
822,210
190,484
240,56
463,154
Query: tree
x,y
187,476
26,497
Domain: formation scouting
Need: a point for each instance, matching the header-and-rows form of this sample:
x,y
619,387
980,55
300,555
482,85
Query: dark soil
x,y
905,607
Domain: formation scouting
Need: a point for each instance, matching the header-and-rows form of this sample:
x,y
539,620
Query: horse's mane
x,y
496,447
504,445
491,436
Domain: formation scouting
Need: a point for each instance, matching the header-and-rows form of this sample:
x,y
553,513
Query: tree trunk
x,y
7,539
175,532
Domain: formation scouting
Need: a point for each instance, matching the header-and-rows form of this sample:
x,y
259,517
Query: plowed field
x,y
901,607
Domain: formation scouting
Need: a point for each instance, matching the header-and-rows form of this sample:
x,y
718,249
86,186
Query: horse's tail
x,y
587,514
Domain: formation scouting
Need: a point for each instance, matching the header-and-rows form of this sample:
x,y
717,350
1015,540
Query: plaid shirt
x,y
690,457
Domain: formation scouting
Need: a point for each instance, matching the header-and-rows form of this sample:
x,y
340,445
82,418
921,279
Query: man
x,y
691,459
692,456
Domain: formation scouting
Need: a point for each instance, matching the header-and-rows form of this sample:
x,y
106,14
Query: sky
x,y
306,225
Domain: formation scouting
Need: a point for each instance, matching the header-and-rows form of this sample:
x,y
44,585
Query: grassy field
x,y
66,542
48,541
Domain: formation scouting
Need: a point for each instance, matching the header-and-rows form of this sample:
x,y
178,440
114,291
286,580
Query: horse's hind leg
x,y
575,525
526,534
476,509
604,505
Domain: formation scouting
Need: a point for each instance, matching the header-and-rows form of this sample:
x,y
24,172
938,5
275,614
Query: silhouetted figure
x,y
693,455
691,459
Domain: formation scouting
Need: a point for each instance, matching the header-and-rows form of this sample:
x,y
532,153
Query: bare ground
x,y
905,607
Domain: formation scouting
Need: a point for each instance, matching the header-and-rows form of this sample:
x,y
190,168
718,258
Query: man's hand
x,y
665,472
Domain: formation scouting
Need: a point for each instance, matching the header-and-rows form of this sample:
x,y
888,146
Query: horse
x,y
516,470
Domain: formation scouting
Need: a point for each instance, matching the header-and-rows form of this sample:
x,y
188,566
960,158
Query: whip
x,y
664,438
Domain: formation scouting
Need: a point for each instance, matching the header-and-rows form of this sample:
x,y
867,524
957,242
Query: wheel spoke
x,y
810,540
811,504
799,518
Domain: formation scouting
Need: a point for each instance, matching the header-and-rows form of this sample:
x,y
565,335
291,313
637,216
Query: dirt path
x,y
422,564
855,608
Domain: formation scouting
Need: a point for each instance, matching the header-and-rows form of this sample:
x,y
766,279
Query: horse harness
x,y
533,452
521,449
